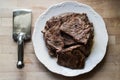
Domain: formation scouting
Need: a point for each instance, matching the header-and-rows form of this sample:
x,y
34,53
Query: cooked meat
x,y
71,57
68,41
53,40
78,27
69,38
54,21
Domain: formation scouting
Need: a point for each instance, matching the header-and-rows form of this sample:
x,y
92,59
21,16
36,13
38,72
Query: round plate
x,y
100,38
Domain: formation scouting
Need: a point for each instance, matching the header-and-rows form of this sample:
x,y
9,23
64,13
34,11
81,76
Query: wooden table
x,y
108,69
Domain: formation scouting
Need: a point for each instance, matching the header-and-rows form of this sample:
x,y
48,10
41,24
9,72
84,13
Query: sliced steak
x,y
69,38
71,57
78,27
53,38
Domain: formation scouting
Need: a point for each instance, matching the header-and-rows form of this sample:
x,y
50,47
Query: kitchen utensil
x,y
21,31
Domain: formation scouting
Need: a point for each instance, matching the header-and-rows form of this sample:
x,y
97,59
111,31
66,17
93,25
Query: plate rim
x,y
58,4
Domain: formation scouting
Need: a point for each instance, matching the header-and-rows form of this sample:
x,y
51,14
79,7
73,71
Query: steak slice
x,y
71,57
68,40
54,21
78,27
53,40
69,37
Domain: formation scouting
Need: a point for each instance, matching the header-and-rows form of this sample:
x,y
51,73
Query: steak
x,y
78,27
71,57
69,38
53,40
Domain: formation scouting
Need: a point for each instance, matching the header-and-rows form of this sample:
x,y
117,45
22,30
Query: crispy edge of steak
x,y
71,57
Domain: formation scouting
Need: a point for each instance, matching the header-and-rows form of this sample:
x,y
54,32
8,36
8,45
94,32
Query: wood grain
x,y
108,69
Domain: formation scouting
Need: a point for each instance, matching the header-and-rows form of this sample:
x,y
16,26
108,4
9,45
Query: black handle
x,y
20,63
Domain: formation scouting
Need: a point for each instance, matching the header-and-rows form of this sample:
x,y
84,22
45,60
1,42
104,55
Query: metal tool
x,y
21,31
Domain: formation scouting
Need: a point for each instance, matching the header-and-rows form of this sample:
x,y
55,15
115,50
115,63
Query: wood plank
x,y
112,39
117,39
112,23
6,12
6,22
107,12
8,43
8,3
8,63
109,64
49,76
108,69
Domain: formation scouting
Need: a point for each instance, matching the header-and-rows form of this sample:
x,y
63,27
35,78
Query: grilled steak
x,y
78,27
69,38
71,57
54,40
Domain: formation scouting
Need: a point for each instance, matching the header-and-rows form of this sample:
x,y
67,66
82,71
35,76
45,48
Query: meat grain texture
x,y
69,38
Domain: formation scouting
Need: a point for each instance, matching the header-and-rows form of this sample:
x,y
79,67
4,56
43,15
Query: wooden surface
x,y
108,69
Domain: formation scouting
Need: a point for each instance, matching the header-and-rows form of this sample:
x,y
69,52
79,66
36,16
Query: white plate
x,y
100,38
